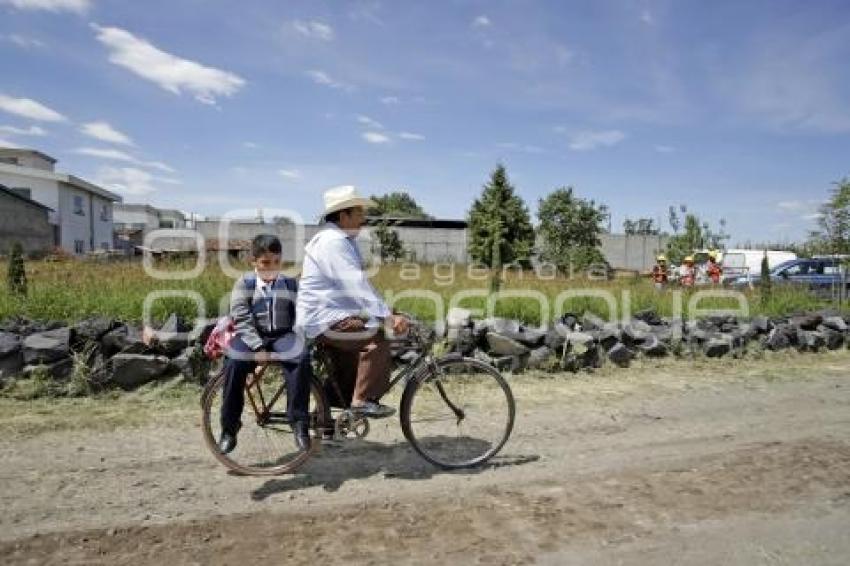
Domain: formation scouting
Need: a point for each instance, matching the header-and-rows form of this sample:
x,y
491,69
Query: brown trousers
x,y
360,358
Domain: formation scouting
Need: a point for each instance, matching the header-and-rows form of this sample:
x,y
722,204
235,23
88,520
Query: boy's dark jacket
x,y
249,309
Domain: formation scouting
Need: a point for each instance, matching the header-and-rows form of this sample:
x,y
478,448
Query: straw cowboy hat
x,y
346,196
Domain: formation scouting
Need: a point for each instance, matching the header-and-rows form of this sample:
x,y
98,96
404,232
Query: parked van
x,y
747,263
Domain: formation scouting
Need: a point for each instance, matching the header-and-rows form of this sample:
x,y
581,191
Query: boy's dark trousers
x,y
296,371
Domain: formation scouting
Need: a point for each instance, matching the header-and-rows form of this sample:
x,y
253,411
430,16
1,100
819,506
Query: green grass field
x,y
71,290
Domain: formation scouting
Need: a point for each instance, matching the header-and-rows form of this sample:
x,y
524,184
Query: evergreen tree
x,y
16,275
397,205
500,230
764,282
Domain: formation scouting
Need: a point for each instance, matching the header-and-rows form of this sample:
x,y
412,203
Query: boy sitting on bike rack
x,y
262,307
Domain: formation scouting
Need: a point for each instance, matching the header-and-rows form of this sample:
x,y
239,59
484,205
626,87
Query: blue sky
x,y
739,109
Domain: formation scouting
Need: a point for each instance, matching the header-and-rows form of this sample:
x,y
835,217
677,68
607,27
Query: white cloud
x,y
322,78
791,205
28,108
513,146
375,137
22,41
411,136
171,73
104,132
78,6
290,173
390,100
250,145
588,140
126,180
31,131
117,155
664,148
314,30
7,143
646,17
369,122
481,21
812,216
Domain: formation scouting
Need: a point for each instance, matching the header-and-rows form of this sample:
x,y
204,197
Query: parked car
x,y
819,273
747,263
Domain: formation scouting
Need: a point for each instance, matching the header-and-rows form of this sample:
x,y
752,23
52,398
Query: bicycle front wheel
x,y
265,442
459,414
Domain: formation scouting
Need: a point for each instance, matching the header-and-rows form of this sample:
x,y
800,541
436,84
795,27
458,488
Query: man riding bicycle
x,y
338,307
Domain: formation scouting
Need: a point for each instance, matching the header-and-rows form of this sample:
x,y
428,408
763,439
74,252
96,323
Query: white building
x,y
81,212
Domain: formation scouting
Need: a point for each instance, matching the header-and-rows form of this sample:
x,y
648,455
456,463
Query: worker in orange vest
x,y
713,269
659,272
687,272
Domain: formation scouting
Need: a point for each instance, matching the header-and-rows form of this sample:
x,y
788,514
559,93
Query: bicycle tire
x,y
210,416
417,386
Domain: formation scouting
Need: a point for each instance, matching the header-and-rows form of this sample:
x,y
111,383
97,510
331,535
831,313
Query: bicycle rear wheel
x,y
265,443
459,415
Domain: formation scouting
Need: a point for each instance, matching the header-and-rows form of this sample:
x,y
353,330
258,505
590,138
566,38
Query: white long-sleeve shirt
x,y
333,284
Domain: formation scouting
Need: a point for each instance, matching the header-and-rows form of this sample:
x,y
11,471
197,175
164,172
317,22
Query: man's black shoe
x,y
372,410
302,435
227,443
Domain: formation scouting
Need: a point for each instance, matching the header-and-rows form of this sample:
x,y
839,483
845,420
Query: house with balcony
x,y
80,213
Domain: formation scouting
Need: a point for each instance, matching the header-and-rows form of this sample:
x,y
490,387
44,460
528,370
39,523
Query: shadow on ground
x,y
337,463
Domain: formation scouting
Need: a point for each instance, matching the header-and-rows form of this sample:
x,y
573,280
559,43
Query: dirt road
x,y
745,465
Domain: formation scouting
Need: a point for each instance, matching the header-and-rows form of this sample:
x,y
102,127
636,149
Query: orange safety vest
x,y
714,272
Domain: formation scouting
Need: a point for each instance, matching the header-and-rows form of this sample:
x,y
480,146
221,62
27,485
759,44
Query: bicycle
x,y
456,412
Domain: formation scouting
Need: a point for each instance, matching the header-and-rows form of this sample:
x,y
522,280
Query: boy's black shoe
x,y
227,442
302,435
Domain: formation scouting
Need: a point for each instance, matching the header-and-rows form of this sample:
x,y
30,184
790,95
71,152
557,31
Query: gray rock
x,y
761,324
173,336
807,321
590,321
503,346
609,336
580,342
833,339
835,323
92,329
569,320
635,332
539,357
810,340
59,370
619,355
653,347
129,371
718,347
462,340
458,317
649,316
47,347
127,339
777,339
11,365
9,344
556,337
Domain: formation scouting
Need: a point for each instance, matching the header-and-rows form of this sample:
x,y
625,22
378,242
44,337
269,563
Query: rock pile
x,y
574,342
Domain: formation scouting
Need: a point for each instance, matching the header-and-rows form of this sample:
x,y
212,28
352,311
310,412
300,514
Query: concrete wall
x,y
632,252
25,223
43,191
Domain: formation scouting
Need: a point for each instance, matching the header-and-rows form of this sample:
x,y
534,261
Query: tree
x,y
397,205
764,281
833,235
695,235
16,275
570,228
388,243
641,227
500,228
